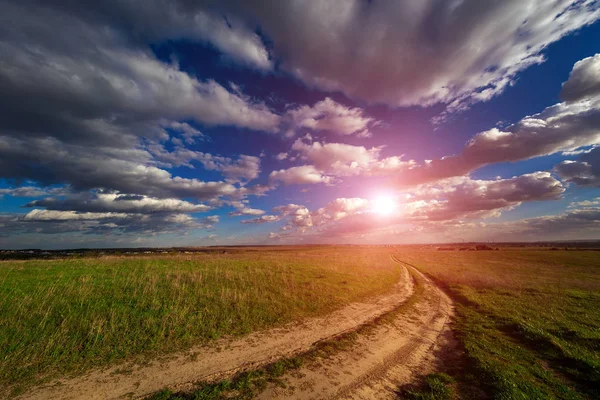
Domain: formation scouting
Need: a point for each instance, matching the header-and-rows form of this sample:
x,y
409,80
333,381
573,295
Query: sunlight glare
x,y
384,205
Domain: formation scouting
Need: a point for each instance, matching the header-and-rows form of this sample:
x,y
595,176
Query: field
x,y
65,316
529,320
526,323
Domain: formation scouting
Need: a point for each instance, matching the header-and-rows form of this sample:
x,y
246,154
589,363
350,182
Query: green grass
x,y
435,387
248,384
66,316
529,320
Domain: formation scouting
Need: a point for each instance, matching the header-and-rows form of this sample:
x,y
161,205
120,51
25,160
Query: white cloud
x,y
246,211
328,115
305,174
53,215
584,81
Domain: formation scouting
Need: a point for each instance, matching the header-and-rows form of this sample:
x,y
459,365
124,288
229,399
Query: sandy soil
x,y
389,357
225,357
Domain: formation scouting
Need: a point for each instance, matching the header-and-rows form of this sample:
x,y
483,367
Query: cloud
x,y
304,174
464,197
115,202
129,225
300,218
583,172
29,191
262,220
584,80
330,116
246,211
244,168
92,106
586,203
121,90
160,21
427,206
190,134
563,127
125,170
406,53
329,161
340,159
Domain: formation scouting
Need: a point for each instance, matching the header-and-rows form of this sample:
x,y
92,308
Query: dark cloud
x,y
585,171
408,53
53,222
114,202
50,161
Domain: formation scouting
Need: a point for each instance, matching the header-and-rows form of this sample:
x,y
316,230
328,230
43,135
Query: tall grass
x,y
66,316
529,319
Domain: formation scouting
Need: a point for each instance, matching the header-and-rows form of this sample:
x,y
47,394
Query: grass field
x,y
529,320
65,316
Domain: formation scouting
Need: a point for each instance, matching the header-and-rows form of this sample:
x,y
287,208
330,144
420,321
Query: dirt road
x,y
227,357
390,356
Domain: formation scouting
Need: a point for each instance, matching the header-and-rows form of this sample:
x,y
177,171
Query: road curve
x,y
391,355
224,357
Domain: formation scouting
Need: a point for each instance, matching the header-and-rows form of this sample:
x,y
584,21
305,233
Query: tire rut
x,y
380,362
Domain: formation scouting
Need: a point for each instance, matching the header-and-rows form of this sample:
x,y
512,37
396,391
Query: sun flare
x,y
384,205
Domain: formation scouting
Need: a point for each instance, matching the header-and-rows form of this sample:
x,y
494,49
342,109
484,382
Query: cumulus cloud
x,y
473,198
300,218
246,211
123,170
92,105
408,53
340,159
330,161
585,171
305,174
584,80
330,116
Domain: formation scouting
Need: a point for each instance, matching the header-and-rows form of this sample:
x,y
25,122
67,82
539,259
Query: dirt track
x,y
390,356
226,357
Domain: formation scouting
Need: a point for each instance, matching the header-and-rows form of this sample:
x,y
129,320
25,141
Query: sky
x,y
192,123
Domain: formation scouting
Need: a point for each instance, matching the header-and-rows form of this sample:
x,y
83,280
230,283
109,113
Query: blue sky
x,y
270,122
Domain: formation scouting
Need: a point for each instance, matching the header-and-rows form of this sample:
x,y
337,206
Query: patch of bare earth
x,y
226,357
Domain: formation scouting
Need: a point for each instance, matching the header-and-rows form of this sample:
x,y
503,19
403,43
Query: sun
x,y
384,205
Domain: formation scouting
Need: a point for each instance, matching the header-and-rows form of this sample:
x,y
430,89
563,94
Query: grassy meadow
x,y
529,320
65,316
